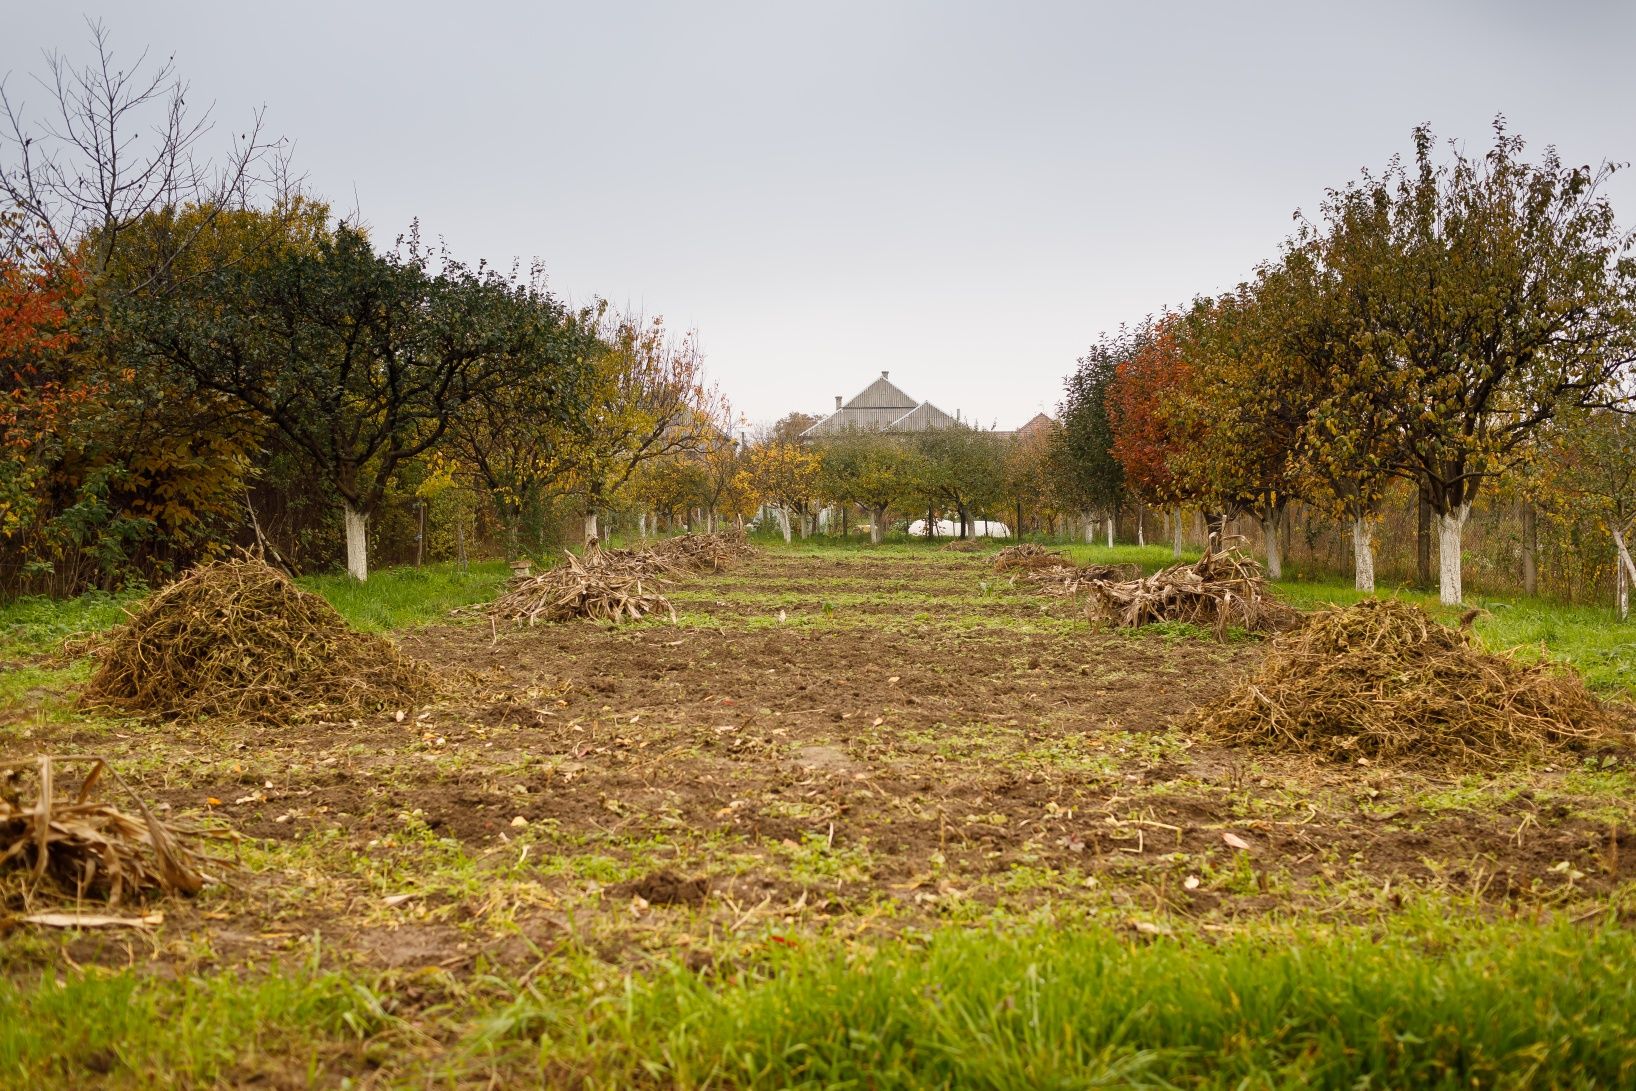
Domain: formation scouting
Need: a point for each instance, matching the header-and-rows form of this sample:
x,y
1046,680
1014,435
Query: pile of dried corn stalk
x,y
238,639
1383,681
87,848
1218,591
611,585
615,585
704,552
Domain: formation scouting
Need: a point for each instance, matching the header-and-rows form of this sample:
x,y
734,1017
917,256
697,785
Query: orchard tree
x,y
1588,470
876,471
1242,410
786,476
1493,292
960,468
509,442
1090,474
1141,400
648,400
359,361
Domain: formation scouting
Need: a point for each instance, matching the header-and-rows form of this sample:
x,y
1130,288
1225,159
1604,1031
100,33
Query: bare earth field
x,y
825,745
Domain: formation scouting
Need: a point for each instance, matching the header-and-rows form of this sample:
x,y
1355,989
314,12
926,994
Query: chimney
x,y
883,375
837,403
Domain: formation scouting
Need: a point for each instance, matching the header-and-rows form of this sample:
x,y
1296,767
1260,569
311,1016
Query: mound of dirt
x,y
239,640
1218,591
1383,681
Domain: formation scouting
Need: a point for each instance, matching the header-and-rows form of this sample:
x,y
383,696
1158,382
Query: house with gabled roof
x,y
880,407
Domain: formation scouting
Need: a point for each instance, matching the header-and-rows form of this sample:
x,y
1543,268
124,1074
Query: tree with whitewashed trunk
x,y
649,401
786,474
1587,471
1347,434
1240,410
1087,474
359,360
876,471
1485,295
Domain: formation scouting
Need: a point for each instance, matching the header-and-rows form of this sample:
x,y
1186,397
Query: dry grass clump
x,y
1382,681
86,848
1027,555
615,585
1218,591
964,545
240,640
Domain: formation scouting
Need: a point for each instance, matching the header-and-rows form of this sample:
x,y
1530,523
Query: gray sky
x,y
962,193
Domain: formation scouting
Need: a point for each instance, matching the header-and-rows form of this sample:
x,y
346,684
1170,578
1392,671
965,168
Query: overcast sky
x,y
961,193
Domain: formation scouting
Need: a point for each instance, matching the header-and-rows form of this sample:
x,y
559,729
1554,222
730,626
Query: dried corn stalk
x,y
88,848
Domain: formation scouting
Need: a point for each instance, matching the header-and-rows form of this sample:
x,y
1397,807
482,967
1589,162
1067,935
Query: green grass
x,y
398,598
127,1029
1456,1006
1432,1000
37,626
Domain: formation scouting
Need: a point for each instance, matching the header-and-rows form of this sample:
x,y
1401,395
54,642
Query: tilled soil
x,y
853,745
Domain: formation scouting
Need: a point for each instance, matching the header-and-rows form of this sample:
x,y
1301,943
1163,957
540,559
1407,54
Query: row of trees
x,y
1448,322
186,342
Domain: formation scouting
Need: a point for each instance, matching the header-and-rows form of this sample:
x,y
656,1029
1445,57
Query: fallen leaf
x,y
519,822
212,801
1150,928
397,899
878,721
398,715
1190,883
1235,841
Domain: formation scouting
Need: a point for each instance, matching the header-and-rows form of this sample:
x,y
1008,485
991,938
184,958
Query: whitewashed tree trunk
x,y
1450,528
1363,555
1141,531
1176,542
590,526
1110,531
1270,527
1090,531
1625,571
877,516
784,522
642,525
357,528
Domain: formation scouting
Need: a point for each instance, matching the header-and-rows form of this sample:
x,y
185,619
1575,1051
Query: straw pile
x,y
964,545
1382,681
88,849
239,640
1218,591
615,585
